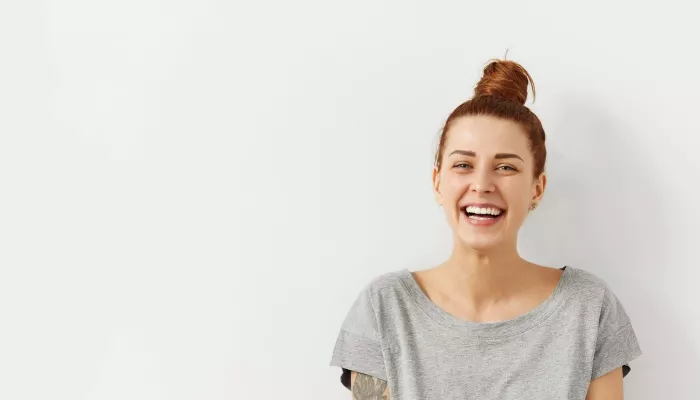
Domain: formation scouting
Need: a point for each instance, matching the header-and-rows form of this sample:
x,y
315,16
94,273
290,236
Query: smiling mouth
x,y
483,213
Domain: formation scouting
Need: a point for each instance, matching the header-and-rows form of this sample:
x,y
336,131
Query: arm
x,y
366,387
607,387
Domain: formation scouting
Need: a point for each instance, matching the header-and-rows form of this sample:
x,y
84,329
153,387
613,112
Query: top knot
x,y
505,80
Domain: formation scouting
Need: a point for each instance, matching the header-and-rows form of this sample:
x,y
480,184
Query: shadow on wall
x,y
596,216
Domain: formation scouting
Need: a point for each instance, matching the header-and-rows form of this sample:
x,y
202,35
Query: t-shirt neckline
x,y
497,329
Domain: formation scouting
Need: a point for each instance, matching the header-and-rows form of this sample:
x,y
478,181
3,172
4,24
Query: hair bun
x,y
506,80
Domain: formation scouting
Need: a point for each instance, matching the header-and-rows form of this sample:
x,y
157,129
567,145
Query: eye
x,y
462,165
506,167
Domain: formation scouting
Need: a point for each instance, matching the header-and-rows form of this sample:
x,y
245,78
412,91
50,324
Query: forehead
x,y
487,135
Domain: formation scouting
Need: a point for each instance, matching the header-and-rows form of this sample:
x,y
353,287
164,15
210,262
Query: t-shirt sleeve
x,y
358,347
616,343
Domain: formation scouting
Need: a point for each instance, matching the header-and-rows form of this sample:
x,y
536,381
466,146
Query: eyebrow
x,y
498,156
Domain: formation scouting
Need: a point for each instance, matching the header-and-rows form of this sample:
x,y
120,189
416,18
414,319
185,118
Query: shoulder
x,y
587,284
386,280
379,295
594,292
613,340
387,288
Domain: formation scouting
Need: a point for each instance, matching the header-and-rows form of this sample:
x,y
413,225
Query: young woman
x,y
487,324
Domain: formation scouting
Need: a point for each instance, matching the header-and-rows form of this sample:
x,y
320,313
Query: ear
x,y
436,185
538,188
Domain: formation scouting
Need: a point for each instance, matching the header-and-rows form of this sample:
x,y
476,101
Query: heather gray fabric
x,y
395,332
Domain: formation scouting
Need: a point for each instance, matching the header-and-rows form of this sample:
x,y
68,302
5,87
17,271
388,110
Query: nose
x,y
483,181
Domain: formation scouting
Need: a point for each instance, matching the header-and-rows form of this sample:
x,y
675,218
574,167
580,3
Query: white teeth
x,y
479,210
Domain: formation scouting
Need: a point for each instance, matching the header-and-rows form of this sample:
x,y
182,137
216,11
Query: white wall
x,y
192,193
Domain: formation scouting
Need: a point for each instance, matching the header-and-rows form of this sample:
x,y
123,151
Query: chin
x,y
483,236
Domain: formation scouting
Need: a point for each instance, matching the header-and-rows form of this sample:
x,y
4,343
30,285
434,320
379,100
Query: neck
x,y
484,276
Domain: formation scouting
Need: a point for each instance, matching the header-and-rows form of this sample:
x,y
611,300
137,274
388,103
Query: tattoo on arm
x,y
368,387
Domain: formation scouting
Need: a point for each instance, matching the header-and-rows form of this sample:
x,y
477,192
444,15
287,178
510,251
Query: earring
x,y
533,206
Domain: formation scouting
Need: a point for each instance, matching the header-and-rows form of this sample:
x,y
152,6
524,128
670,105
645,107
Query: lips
x,y
481,214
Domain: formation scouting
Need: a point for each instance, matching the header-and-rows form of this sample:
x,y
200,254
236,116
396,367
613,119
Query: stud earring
x,y
533,206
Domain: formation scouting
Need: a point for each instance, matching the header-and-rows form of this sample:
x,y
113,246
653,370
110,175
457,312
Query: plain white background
x,y
193,192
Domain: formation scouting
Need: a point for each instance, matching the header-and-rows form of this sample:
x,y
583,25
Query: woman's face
x,y
486,183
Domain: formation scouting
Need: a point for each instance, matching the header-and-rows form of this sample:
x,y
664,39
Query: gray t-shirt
x,y
394,332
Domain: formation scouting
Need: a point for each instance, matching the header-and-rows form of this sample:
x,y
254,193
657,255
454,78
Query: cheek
x,y
453,188
519,195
